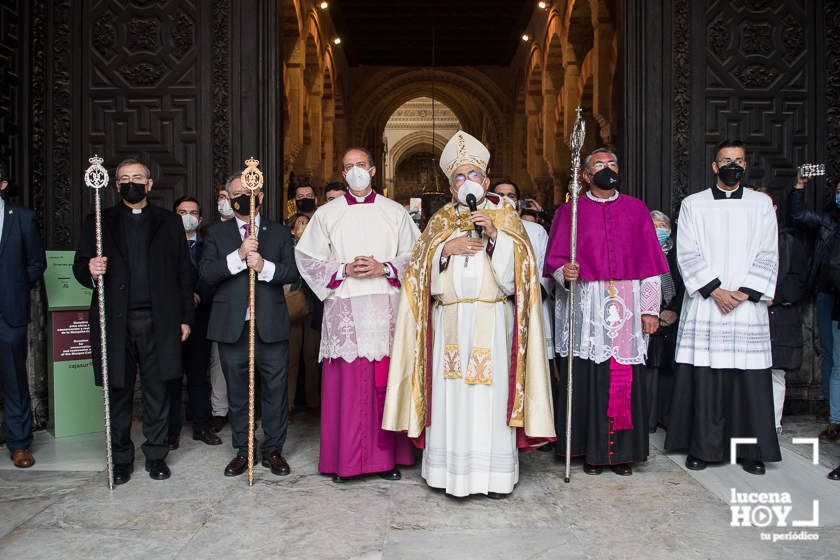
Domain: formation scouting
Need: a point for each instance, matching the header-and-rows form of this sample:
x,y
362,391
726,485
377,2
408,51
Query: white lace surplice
x,y
607,327
735,241
359,314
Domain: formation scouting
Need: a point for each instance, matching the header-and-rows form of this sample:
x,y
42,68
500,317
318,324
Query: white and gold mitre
x,y
463,148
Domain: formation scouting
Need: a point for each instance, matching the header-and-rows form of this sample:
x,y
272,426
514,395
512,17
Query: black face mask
x,y
730,174
606,179
305,204
132,193
242,204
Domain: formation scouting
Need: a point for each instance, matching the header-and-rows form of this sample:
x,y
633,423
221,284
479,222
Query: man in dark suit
x,y
196,355
149,310
230,249
22,262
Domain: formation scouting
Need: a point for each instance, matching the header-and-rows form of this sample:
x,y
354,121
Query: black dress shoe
x,y
694,464
173,441
393,474
237,466
157,469
122,472
276,463
497,496
217,423
592,469
835,474
340,479
752,467
207,437
624,469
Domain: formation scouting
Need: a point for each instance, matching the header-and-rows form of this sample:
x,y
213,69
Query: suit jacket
x,y
205,293
171,285
230,298
22,263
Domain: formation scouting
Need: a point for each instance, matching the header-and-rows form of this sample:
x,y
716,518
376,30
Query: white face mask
x,y
190,222
358,179
224,208
470,187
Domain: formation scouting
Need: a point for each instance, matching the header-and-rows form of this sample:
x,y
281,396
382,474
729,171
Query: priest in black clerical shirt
x,y
148,308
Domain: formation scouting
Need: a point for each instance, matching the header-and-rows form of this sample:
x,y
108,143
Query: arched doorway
x,y
413,134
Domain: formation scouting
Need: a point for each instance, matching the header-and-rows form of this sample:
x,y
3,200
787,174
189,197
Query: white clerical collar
x,y
240,222
602,200
726,193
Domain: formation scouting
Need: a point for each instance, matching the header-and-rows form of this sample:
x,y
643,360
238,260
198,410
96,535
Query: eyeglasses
x,y
726,161
131,178
460,178
362,164
600,165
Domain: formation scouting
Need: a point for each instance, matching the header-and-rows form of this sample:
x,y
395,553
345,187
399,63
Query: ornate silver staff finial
x,y
576,143
96,176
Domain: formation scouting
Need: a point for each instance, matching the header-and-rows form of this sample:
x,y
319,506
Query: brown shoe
x,y
22,458
207,437
277,463
237,466
830,434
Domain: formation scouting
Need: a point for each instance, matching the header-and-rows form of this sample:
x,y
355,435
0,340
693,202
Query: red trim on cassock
x,y
334,281
394,279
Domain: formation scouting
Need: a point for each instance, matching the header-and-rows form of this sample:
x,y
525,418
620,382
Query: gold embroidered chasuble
x,y
407,404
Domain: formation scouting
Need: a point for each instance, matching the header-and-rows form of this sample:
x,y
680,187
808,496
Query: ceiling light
x,y
525,37
337,41
542,5
325,5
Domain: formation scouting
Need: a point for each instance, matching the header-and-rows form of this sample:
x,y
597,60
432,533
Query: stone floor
x,y
62,508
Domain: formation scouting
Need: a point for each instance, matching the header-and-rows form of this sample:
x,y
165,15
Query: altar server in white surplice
x,y
727,251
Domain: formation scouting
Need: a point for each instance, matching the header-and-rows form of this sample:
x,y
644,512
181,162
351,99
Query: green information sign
x,y
75,402
63,291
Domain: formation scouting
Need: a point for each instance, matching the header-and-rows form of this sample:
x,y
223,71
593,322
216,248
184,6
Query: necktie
x,y
191,244
247,229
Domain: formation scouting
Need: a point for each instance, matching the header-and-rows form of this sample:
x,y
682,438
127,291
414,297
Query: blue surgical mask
x,y
837,199
663,234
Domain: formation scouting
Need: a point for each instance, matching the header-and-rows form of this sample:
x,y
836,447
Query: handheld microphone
x,y
471,202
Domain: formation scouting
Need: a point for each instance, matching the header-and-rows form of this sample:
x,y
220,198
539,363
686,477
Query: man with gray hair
x,y
617,306
469,373
231,248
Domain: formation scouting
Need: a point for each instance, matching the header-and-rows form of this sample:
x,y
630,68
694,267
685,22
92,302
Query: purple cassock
x,y
616,240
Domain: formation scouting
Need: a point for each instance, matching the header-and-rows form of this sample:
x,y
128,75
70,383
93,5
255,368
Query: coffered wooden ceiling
x,y
399,32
